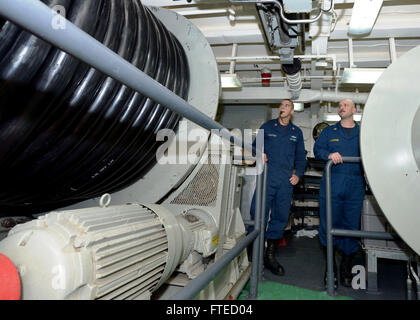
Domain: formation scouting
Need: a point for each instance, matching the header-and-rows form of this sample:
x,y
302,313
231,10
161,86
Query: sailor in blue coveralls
x,y
347,186
284,151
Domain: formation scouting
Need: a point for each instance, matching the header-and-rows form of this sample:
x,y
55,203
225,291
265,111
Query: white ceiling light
x,y
230,81
364,16
361,75
299,107
335,117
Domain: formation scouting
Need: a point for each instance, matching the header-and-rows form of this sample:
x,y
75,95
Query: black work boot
x,y
346,265
249,251
324,250
270,261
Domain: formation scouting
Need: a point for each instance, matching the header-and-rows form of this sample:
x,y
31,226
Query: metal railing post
x,y
330,232
328,213
330,256
262,225
256,248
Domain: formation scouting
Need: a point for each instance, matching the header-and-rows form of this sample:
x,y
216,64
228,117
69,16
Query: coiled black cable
x,y
67,131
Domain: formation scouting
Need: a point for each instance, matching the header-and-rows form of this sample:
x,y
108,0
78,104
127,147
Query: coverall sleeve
x,y
321,146
300,161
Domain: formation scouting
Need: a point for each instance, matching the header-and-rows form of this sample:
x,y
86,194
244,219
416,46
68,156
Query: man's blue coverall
x,y
347,184
285,150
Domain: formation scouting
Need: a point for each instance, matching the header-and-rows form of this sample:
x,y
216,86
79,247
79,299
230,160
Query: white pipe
x,y
280,79
357,98
337,76
329,104
239,285
233,62
331,57
357,105
206,12
392,49
351,56
268,95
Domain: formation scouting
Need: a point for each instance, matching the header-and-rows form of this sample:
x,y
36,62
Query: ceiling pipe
x,y
262,95
282,79
332,96
187,13
233,62
330,57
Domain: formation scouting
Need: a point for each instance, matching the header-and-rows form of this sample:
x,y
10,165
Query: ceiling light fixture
x,y
335,117
361,75
230,81
364,16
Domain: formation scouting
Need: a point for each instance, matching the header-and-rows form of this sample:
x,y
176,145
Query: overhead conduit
x,y
67,131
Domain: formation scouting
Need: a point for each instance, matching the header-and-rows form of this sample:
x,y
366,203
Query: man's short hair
x,y
291,102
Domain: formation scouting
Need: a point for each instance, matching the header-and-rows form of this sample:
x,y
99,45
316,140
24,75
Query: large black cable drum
x,y
67,131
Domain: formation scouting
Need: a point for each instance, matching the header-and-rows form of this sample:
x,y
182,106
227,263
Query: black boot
x,y
346,265
270,261
324,250
249,251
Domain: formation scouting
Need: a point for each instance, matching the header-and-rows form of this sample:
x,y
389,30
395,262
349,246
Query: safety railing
x,y
35,17
330,232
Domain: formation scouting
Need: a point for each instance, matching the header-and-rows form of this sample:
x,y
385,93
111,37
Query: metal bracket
x,y
282,34
282,38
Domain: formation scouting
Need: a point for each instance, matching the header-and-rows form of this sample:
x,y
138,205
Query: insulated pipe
x,y
331,57
187,13
292,72
329,96
36,17
262,95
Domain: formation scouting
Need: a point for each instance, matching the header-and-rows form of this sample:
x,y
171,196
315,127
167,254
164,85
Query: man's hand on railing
x,y
335,157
